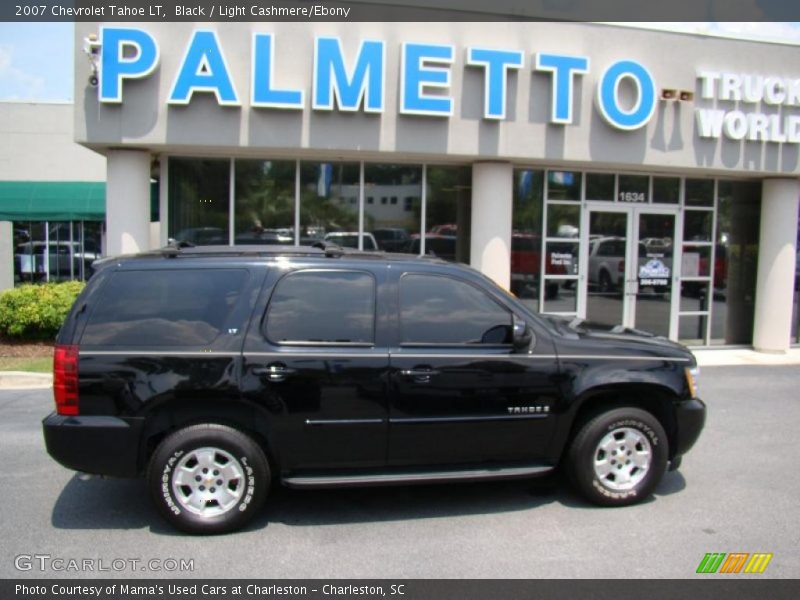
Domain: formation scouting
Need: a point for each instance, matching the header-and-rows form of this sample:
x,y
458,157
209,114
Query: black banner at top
x,y
398,10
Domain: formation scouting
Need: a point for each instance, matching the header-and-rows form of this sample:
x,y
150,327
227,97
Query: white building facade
x,y
623,176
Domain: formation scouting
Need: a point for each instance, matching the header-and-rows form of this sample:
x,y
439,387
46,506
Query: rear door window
x,y
164,307
323,307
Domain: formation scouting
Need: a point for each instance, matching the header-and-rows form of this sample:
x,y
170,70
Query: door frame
x,y
632,212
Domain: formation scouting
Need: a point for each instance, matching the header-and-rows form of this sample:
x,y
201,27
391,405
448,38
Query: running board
x,y
409,478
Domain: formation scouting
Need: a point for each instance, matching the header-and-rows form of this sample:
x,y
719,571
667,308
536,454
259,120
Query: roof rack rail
x,y
177,248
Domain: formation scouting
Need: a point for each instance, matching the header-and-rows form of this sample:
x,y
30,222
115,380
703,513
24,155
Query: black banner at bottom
x,y
411,589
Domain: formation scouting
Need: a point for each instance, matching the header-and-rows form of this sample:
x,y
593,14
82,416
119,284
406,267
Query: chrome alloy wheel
x,y
622,459
208,481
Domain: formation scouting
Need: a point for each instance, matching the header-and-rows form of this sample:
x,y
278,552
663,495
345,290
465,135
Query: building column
x,y
127,201
490,248
776,258
6,255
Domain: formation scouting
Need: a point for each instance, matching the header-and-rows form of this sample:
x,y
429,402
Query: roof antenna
x,y
173,247
331,250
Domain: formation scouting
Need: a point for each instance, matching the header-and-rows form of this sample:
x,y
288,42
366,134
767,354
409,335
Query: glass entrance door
x,y
606,280
628,275
652,280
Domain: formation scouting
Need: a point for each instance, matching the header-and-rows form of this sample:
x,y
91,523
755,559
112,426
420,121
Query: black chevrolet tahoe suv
x,y
217,371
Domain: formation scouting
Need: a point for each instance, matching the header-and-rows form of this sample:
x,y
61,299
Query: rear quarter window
x,y
164,307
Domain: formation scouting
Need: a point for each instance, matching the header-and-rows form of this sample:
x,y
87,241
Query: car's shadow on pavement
x,y
125,503
106,503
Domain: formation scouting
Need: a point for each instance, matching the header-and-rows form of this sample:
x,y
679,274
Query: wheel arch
x,y
655,399
179,413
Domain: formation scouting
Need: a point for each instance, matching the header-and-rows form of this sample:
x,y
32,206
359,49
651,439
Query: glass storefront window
x,y
795,333
563,221
29,252
564,185
634,188
605,279
699,192
199,189
62,253
694,296
393,209
561,258
735,262
697,225
692,329
55,250
448,216
265,197
328,200
600,186
526,235
563,298
666,190
696,261
264,202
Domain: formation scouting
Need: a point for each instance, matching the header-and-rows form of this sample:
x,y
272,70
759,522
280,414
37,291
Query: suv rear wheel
x,y
618,457
208,478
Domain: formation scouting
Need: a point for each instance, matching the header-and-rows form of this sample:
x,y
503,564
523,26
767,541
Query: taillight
x,y
65,379
621,266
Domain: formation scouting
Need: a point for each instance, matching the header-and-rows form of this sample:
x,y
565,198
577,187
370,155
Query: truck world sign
x,y
356,81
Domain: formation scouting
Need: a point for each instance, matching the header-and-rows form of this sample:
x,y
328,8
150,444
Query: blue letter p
x,y
116,66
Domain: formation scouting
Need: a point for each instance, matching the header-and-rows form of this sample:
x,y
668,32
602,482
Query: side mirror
x,y
522,334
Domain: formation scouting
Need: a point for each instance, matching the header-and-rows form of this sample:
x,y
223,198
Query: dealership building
x,y
624,176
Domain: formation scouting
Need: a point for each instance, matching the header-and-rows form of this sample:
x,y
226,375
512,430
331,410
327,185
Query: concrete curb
x,y
744,356
21,380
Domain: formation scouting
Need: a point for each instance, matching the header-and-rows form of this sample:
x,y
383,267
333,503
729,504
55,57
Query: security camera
x,y
91,46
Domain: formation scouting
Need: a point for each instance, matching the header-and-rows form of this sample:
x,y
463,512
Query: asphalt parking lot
x,y
737,491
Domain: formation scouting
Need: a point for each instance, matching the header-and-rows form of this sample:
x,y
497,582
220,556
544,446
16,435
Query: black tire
x,y
605,284
243,494
585,448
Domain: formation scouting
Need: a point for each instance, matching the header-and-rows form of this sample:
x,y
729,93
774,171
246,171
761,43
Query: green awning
x,y
52,200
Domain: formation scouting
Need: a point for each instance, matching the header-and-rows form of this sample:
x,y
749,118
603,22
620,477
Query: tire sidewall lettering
x,y
611,494
250,484
166,482
635,424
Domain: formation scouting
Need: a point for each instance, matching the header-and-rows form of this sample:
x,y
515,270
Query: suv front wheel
x,y
208,478
618,457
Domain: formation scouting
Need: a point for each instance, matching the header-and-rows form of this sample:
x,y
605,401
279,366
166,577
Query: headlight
x,y
692,374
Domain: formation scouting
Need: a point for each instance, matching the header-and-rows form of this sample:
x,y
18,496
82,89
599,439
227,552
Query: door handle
x,y
419,375
275,372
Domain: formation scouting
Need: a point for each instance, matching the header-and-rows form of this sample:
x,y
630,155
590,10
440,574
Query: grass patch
x,y
36,364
